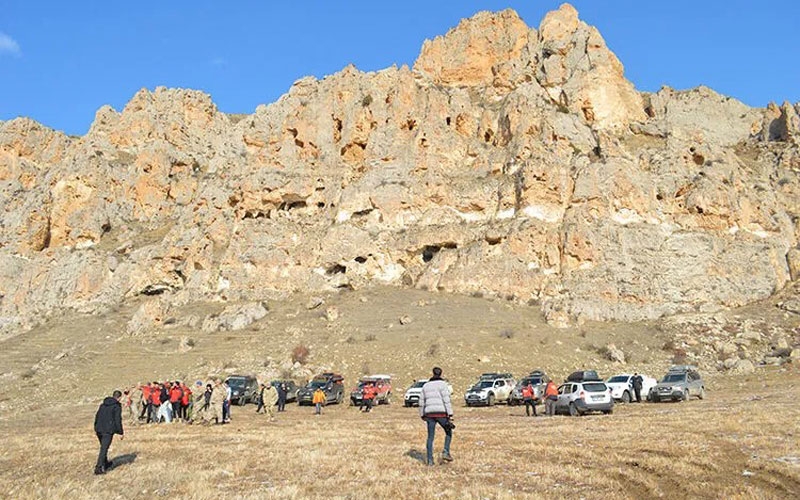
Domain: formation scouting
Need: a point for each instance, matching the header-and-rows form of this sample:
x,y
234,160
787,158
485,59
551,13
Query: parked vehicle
x,y
244,389
538,379
383,384
291,389
411,397
490,389
331,383
579,398
584,376
622,386
679,384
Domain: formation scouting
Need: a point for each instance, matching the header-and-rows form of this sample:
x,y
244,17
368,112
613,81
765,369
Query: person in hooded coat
x,y
107,422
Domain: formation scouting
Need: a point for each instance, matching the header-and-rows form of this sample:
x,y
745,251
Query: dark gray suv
x,y
679,384
244,389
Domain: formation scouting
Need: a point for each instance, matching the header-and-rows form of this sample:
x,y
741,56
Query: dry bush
x,y
507,333
370,338
679,357
433,349
350,340
28,374
300,354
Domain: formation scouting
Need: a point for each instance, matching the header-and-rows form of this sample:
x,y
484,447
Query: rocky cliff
x,y
511,161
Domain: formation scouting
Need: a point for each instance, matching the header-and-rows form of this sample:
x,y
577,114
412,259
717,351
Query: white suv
x,y
578,398
622,386
490,389
413,393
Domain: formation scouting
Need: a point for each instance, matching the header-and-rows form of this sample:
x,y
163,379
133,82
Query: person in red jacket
x,y
155,400
175,396
367,397
186,398
147,397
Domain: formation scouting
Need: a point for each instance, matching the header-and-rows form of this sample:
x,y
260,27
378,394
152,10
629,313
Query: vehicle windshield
x,y
618,379
419,384
595,387
317,383
674,377
236,382
485,384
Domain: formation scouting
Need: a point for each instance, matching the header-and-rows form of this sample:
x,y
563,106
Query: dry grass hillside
x,y
743,441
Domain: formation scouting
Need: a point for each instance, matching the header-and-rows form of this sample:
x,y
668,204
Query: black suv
x,y
331,383
244,389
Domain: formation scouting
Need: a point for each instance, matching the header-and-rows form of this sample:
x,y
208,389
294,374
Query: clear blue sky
x,y
61,60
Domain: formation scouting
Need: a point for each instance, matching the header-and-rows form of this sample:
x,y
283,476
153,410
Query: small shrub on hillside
x,y
28,374
507,334
433,349
350,340
370,338
679,357
300,354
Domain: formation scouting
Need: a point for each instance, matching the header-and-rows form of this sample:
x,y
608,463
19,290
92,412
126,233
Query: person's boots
x,y
446,457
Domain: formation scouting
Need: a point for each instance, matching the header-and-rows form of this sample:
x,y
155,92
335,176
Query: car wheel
x,y
686,395
242,401
490,401
339,398
608,412
573,411
388,399
702,394
626,397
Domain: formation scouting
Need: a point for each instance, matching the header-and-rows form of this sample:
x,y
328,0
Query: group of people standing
x,y
270,397
165,402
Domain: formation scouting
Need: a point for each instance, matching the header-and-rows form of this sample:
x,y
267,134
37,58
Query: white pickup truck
x,y
490,389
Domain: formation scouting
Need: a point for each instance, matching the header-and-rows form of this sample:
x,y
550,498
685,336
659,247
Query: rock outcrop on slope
x,y
511,161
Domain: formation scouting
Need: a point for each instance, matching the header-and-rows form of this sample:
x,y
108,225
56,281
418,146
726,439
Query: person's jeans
x,y
448,435
638,392
102,457
319,409
281,404
226,411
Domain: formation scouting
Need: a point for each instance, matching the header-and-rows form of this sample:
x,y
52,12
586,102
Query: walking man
x,y
107,422
261,398
527,398
270,400
318,399
135,409
435,408
637,382
367,397
282,396
218,397
550,398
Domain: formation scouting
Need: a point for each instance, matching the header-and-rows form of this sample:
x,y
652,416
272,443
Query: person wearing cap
x,y
435,408
107,422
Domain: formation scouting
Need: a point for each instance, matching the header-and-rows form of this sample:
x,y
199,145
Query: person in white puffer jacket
x,y
435,408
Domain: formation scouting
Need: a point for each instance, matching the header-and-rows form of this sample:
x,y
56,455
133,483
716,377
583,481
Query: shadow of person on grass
x,y
125,459
416,455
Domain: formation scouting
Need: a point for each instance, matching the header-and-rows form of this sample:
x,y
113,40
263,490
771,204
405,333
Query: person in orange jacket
x,y
527,398
175,396
367,397
550,398
318,400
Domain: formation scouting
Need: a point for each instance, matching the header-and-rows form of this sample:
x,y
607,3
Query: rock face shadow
x,y
125,459
416,455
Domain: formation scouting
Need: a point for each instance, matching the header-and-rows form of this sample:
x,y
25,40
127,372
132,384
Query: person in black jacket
x,y
637,382
107,422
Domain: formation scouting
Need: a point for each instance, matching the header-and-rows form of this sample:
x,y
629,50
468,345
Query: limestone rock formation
x,y
510,161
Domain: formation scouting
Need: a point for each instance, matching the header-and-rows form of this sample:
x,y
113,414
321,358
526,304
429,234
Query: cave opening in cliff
x,y
336,269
